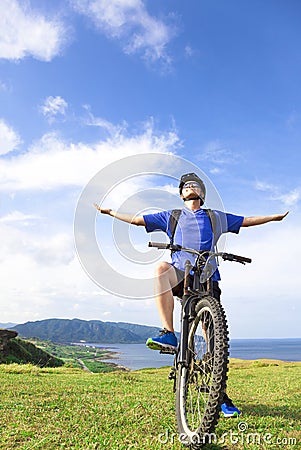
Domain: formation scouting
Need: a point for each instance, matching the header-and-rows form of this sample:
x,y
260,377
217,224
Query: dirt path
x,y
84,365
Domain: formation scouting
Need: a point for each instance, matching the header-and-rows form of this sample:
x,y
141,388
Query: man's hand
x,y
102,210
129,218
279,217
259,220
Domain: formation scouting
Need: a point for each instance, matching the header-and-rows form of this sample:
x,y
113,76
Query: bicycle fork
x,y
182,357
187,316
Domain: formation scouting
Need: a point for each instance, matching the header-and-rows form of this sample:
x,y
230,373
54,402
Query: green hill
x,y
15,350
92,331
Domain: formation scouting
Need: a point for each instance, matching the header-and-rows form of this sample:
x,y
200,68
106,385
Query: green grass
x,y
65,408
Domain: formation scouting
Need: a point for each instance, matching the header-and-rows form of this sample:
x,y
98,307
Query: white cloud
x,y
216,171
216,153
18,217
37,271
129,22
24,32
3,86
41,276
189,52
263,186
55,250
289,199
260,298
51,163
9,139
46,249
54,106
172,189
113,130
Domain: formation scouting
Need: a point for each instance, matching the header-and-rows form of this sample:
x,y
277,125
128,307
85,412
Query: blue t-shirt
x,y
193,231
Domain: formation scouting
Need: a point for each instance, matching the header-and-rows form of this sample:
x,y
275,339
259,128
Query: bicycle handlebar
x,y
160,245
223,255
236,258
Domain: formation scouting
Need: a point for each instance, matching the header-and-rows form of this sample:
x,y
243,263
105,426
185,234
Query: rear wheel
x,y
201,385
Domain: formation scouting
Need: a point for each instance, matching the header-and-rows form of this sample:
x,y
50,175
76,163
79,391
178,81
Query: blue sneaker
x,y
165,341
228,408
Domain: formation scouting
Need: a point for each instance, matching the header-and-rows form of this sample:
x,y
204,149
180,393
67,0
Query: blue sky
x,y
86,83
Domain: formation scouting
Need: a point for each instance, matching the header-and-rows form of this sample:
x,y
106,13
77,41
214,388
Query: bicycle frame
x,y
189,299
191,295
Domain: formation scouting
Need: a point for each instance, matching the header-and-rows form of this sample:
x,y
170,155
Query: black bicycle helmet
x,y
193,177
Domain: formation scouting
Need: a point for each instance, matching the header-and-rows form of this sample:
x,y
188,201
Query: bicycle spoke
x,y
199,380
204,380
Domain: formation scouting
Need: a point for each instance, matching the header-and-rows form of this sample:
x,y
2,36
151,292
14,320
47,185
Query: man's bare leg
x,y
165,279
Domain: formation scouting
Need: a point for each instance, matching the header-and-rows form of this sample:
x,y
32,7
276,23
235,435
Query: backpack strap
x,y
173,222
212,218
174,219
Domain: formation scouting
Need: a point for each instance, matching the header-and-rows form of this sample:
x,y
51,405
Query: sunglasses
x,y
191,184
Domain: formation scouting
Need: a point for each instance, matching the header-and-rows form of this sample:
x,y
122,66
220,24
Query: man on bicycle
x,y
194,230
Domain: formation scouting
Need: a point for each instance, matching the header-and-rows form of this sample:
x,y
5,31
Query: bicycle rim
x,y
201,385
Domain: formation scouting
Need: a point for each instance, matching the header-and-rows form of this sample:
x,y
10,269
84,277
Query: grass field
x,y
66,408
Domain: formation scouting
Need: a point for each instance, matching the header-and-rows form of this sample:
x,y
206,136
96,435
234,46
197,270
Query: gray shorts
x,y
179,288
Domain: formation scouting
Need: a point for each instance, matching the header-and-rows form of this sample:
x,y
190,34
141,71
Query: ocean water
x,y
283,349
138,356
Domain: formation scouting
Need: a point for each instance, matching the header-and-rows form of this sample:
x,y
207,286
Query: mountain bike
x,y
201,359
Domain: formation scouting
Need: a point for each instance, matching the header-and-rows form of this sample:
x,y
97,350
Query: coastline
x,y
112,356
257,352
106,359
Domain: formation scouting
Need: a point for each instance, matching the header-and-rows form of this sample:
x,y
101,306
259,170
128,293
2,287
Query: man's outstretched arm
x,y
129,218
259,220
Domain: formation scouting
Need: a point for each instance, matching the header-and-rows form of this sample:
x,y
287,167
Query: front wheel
x,y
201,385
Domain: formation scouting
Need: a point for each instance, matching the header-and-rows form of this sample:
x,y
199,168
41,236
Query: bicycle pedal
x,y
172,374
168,351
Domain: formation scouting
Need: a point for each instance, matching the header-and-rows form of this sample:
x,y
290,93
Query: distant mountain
x,y
143,331
92,331
7,325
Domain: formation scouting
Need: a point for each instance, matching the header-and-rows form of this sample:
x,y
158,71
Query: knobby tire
x,y
201,385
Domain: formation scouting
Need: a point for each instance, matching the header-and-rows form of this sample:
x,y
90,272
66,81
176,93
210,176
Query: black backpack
x,y
174,219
